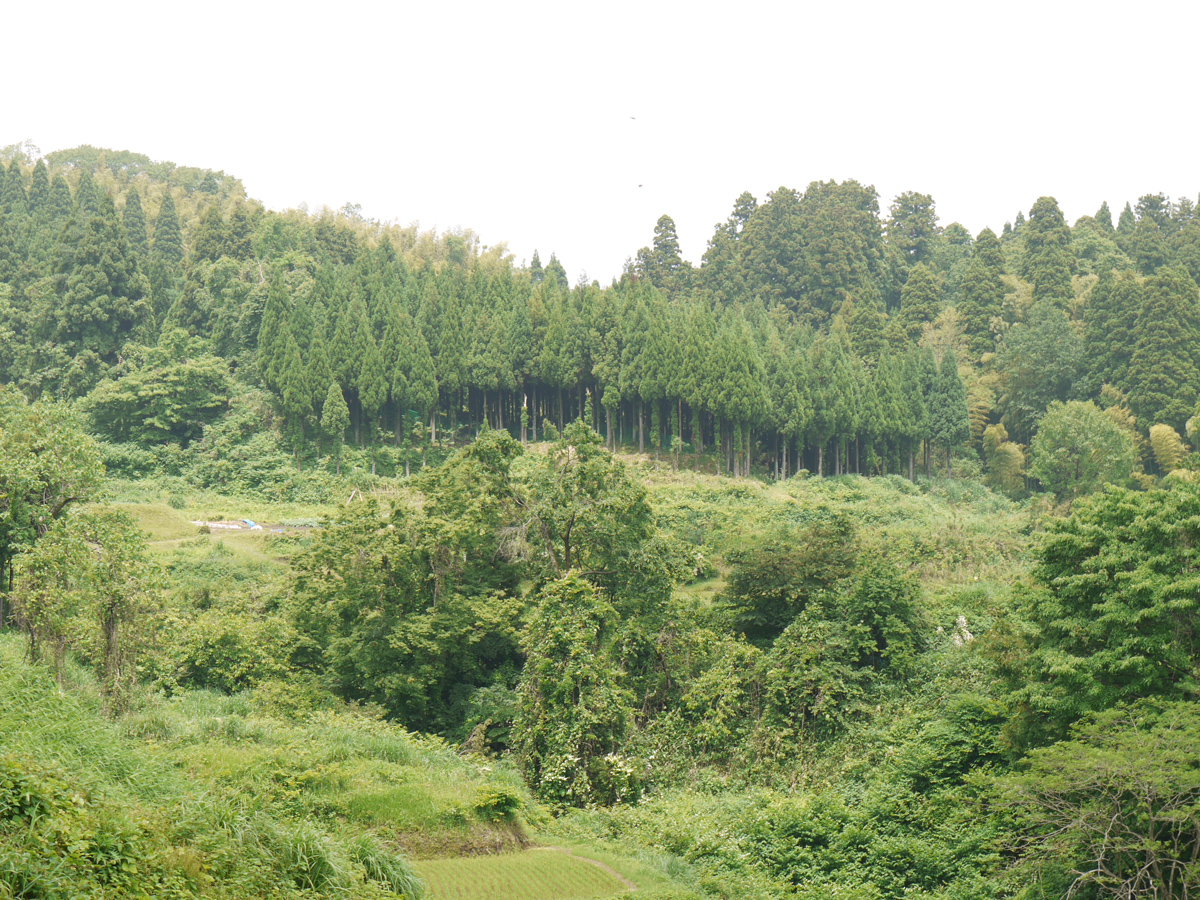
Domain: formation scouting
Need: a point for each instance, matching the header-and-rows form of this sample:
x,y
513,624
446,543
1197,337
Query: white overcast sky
x,y
535,123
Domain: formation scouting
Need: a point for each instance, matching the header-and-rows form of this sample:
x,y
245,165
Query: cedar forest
x,y
857,560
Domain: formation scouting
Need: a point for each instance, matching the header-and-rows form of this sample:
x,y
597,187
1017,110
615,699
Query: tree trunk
x,y
641,426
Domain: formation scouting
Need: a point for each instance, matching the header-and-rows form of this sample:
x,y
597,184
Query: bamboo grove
x,y
816,333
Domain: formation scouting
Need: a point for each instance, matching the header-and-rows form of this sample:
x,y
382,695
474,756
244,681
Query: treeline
x,y
817,333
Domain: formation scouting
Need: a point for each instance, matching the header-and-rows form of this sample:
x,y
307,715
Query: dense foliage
x,y
934,673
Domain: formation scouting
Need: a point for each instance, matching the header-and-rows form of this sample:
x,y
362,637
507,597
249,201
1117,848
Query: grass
x,y
540,874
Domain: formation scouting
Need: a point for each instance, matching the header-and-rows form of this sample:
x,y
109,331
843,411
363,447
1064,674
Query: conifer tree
x,y
238,233
1047,259
867,322
920,300
557,274
211,239
318,369
87,197
893,405
168,237
294,391
1110,329
345,351
335,419
912,228
274,318
1164,371
1104,218
1126,222
14,202
536,272
982,293
919,374
1042,359
61,202
39,190
101,296
422,386
1146,246
371,384
134,222
949,421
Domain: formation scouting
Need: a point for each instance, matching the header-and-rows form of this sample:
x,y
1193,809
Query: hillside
x,y
336,557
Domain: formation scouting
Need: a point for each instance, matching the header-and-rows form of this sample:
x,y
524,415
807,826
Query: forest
x,y
341,558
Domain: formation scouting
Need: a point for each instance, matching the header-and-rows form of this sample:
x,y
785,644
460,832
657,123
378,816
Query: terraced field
x,y
547,873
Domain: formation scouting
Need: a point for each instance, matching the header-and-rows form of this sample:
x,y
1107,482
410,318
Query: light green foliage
x,y
1078,449
86,586
582,510
1168,448
1114,810
1005,460
885,602
531,875
47,465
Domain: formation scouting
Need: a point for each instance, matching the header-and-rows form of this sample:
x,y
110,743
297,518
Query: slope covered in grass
x,y
220,796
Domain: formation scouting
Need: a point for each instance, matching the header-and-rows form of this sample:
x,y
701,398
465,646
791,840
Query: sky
x,y
570,128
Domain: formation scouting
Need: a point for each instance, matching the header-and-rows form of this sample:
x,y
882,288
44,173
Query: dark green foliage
x,y
1043,360
335,419
775,580
574,711
1047,257
133,220
100,298
212,239
662,264
366,608
1146,246
168,239
39,190
1114,616
912,228
949,422
1113,811
14,202
1110,328
1165,365
982,292
920,300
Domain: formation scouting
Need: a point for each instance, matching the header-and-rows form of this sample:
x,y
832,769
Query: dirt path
x,y
595,862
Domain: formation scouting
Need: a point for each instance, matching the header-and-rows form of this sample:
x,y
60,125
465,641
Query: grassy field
x,y
540,874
